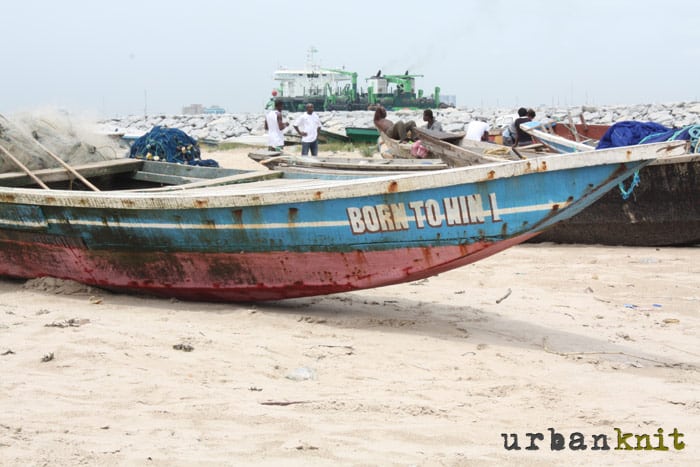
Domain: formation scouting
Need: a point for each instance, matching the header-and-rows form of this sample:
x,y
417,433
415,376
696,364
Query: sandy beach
x,y
444,371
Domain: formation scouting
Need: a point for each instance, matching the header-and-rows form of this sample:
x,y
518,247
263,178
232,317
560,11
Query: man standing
x,y
275,127
307,126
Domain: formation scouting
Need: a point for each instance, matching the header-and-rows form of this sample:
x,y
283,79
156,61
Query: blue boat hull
x,y
238,244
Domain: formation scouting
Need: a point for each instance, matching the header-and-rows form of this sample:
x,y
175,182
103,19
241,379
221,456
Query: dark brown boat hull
x,y
663,210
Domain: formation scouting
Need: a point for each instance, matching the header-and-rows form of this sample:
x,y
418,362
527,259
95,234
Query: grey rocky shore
x,y
237,127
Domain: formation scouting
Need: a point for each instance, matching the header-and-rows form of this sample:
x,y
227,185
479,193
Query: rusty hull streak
x,y
292,215
237,215
201,203
393,187
491,175
318,196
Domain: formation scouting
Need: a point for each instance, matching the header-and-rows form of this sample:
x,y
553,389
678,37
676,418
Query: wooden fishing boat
x,y
462,152
327,136
362,135
355,163
661,209
391,148
202,233
545,134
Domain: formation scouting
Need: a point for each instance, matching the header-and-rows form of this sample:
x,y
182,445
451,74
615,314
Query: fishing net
x,y
73,142
169,145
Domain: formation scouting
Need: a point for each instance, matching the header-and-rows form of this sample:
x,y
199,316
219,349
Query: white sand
x,y
430,373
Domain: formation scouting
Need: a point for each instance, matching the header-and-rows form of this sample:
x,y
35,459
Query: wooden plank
x,y
163,178
229,180
185,170
93,169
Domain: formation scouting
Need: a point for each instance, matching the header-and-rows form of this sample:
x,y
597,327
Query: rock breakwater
x,y
235,127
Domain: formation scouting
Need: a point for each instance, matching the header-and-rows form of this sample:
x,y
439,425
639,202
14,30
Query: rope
x,y
694,133
635,183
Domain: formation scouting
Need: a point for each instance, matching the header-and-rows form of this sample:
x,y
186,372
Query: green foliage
x,y
368,151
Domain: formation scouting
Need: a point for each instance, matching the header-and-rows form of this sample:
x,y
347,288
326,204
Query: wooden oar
x,y
68,167
24,168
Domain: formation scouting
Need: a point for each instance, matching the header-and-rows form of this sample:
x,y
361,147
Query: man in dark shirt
x,y
521,138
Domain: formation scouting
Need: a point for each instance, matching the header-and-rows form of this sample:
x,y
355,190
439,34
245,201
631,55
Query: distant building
x,y
193,109
214,109
196,109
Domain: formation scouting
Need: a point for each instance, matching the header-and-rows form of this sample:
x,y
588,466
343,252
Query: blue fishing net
x,y
169,145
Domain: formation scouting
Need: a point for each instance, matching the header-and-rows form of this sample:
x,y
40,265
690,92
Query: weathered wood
x,y
94,169
356,163
462,156
277,239
396,148
163,178
228,180
19,164
194,171
263,155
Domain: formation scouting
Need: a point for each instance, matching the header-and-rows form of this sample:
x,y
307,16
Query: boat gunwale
x,y
257,194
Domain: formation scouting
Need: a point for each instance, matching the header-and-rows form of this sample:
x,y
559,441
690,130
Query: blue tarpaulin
x,y
629,133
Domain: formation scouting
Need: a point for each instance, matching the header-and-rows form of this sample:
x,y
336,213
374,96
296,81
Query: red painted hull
x,y
584,131
240,277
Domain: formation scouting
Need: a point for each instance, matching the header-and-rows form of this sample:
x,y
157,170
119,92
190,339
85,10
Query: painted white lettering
x,y
452,212
476,209
398,213
356,223
495,215
386,223
369,215
417,207
464,209
432,213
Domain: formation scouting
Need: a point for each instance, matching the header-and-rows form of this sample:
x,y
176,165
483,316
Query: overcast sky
x,y
125,57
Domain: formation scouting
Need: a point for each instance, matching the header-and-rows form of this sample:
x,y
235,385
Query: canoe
x,y
545,134
209,234
461,152
327,136
360,135
355,163
661,209
390,148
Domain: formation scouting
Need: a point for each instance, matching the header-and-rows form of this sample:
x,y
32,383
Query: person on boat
x,y
275,127
398,130
521,138
308,126
429,119
478,130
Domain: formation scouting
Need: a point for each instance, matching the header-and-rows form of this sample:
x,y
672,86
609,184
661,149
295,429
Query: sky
x,y
113,59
